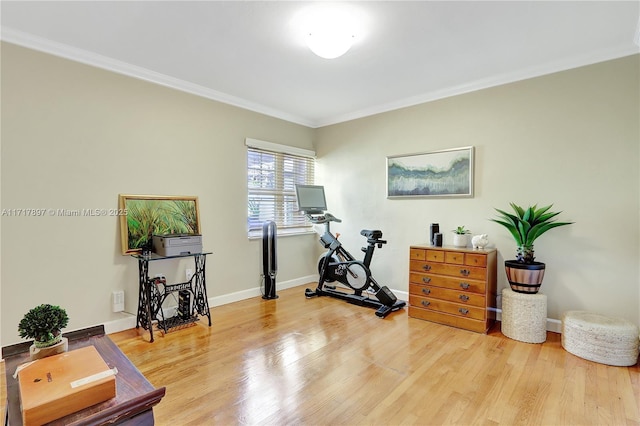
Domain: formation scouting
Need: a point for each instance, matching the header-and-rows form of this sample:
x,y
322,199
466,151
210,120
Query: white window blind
x,y
272,174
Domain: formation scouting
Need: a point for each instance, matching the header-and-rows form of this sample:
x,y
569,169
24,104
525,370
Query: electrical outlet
x,y
189,273
117,301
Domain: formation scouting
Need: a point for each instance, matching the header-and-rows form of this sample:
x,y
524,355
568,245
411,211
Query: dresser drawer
x,y
454,257
435,255
417,254
457,309
473,286
479,326
462,297
432,255
463,271
460,258
475,260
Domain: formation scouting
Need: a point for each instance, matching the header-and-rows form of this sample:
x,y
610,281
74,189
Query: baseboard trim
x,y
553,325
129,320
253,292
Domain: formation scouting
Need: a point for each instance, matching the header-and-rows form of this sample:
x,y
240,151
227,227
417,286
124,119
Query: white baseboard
x,y
253,292
402,295
129,320
553,325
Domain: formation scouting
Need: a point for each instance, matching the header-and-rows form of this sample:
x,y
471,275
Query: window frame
x,y
280,193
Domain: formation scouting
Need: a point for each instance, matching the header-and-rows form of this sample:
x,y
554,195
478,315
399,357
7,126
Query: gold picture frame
x,y
145,215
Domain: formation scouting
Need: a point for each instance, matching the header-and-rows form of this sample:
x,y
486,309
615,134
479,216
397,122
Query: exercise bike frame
x,y
337,264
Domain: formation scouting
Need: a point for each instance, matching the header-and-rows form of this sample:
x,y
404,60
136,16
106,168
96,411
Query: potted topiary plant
x,y
460,236
44,325
526,225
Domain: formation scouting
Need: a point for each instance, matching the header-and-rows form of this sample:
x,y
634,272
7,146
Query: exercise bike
x,y
337,264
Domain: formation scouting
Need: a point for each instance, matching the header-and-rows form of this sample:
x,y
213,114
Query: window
x,y
272,174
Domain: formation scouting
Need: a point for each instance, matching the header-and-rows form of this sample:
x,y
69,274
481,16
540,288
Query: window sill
x,y
257,235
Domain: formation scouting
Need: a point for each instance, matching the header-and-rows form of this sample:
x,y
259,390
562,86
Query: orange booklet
x,y
56,386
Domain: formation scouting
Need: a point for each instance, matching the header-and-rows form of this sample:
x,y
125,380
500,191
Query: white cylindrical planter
x,y
460,240
524,316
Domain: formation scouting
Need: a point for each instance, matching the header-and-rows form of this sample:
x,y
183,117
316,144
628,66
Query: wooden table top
x,y
135,396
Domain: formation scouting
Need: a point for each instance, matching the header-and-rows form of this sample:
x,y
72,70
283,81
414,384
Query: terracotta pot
x,y
524,277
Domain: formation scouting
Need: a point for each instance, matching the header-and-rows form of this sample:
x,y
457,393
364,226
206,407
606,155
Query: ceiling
x,y
252,54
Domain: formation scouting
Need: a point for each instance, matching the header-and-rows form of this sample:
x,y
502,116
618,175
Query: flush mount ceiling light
x,y
329,43
329,30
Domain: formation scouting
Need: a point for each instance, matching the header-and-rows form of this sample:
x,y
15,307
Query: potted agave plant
x,y
44,325
526,225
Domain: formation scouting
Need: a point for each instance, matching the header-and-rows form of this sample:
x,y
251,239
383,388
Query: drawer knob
x,y
464,297
427,267
464,286
465,272
426,280
426,291
425,303
463,311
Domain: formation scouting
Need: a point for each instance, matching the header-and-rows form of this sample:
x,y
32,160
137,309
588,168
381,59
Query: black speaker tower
x,y
269,261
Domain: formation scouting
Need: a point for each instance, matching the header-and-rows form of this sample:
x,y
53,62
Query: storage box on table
x,y
56,386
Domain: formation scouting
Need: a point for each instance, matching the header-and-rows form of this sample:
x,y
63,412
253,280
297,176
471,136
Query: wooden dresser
x,y
453,286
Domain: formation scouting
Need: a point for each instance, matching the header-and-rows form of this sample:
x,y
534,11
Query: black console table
x,y
153,292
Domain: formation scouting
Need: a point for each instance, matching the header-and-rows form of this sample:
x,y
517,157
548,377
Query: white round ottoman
x,y
599,338
524,316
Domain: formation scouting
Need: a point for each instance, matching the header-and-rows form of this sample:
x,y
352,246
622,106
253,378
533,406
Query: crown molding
x,y
30,41
493,81
88,58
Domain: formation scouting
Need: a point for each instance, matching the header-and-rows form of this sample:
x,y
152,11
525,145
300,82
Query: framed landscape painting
x,y
147,215
446,173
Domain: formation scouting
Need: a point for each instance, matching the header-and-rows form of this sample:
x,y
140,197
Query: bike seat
x,y
371,235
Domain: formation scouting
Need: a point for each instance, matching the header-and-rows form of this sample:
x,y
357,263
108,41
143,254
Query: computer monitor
x,y
311,199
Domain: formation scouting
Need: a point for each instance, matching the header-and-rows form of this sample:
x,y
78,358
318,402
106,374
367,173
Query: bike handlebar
x,y
326,218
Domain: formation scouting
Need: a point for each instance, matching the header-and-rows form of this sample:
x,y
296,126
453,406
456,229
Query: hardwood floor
x,y
3,394
322,361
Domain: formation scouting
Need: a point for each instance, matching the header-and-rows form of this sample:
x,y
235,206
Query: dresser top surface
x,y
453,248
